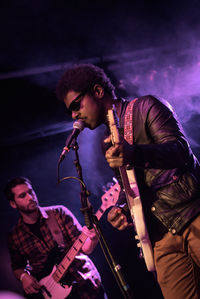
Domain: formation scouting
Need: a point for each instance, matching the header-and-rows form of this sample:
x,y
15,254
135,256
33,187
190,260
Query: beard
x,y
32,207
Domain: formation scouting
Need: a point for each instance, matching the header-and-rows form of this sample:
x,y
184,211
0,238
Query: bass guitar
x,y
50,285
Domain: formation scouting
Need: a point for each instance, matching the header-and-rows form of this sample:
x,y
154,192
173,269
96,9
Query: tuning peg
x,y
104,189
109,185
115,180
117,189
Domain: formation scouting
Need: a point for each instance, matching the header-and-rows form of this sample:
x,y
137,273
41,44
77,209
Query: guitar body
x,y
52,289
136,210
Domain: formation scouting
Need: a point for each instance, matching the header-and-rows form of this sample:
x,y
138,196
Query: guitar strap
x,y
55,230
128,136
128,122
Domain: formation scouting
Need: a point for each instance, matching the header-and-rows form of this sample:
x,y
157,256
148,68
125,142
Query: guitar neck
x,y
76,247
131,189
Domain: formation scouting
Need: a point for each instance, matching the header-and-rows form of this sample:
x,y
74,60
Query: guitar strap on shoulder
x,y
128,122
130,173
55,230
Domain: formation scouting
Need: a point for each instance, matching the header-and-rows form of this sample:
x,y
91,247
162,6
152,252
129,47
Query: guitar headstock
x,y
110,197
113,123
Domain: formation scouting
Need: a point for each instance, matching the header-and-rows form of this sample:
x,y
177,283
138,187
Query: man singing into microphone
x,y
167,172
39,241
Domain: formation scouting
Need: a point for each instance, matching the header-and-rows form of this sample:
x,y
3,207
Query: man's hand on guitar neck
x,y
91,241
117,219
90,233
118,154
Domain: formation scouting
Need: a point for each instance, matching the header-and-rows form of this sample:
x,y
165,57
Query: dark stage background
x,y
146,48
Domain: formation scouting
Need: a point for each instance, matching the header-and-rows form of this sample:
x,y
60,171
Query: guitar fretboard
x,y
69,257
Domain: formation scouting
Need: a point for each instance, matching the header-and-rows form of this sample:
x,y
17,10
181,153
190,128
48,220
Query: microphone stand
x,y
86,206
90,220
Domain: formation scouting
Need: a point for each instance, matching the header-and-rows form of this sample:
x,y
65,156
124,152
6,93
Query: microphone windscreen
x,y
79,124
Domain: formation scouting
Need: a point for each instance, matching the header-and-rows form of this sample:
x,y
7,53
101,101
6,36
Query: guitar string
x,y
51,282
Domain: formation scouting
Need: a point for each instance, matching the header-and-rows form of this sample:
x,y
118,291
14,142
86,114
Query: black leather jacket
x,y
167,172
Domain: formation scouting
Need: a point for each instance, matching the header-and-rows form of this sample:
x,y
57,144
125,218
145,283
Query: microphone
x,y
78,126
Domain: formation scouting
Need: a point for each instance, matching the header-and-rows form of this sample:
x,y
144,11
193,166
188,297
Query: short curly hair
x,y
81,78
13,183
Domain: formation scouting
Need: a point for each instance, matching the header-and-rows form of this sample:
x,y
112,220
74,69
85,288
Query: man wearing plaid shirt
x,y
34,251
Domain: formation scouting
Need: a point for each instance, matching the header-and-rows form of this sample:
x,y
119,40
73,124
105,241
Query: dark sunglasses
x,y
76,103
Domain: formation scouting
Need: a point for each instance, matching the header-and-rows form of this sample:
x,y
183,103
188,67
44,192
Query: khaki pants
x,y
177,260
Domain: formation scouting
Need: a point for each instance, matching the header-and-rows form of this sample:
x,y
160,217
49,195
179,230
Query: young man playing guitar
x,y
39,241
166,174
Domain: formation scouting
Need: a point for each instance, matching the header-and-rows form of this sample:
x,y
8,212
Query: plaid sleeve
x,y
18,261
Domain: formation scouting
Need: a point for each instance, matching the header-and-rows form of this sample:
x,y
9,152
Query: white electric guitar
x,y
133,199
50,285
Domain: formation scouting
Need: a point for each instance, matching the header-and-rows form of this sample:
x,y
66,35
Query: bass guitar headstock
x,y
110,197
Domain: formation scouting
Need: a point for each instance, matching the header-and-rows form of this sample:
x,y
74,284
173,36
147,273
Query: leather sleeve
x,y
159,140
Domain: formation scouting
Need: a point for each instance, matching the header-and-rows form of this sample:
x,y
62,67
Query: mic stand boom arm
x,y
90,220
